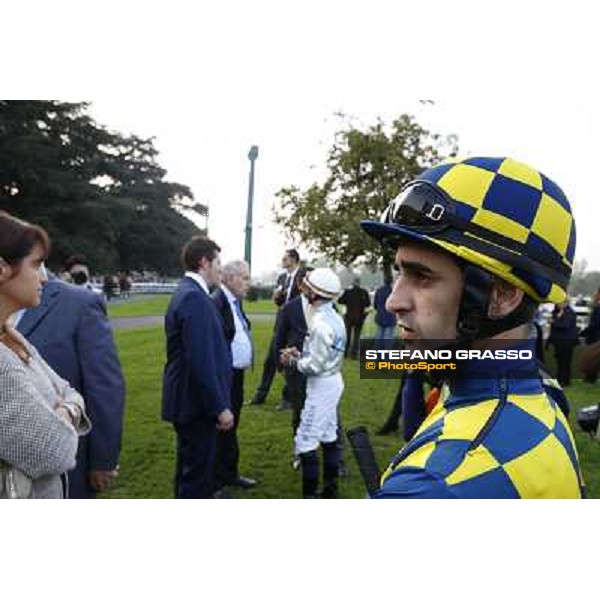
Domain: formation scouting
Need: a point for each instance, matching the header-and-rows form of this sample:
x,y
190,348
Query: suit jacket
x,y
224,308
70,330
564,328
295,283
382,317
198,374
357,301
592,331
290,327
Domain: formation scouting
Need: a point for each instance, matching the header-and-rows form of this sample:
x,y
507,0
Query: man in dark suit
x,y
197,377
290,283
288,288
564,337
356,300
72,333
290,331
77,271
592,334
236,326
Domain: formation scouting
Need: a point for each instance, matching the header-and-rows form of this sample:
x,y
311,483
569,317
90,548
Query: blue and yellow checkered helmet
x,y
497,213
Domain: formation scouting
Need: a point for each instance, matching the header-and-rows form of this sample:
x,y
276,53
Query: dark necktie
x,y
288,287
240,314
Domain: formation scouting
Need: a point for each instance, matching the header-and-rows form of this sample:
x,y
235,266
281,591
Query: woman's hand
x,y
69,413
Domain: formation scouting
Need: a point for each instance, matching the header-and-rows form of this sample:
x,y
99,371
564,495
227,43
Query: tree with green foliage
x,y
97,192
582,281
367,167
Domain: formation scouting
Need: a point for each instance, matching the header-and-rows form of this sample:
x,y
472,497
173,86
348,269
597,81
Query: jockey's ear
x,y
505,298
5,270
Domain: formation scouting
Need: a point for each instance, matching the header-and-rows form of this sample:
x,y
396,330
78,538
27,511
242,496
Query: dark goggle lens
x,y
421,206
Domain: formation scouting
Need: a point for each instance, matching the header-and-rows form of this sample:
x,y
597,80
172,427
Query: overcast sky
x,y
209,83
205,146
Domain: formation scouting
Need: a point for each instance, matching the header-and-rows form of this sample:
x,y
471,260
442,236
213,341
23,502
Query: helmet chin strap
x,y
473,322
474,305
312,297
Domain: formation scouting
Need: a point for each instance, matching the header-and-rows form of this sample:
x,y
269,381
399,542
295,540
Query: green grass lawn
x,y
154,305
148,459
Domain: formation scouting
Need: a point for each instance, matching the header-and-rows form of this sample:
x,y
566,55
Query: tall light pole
x,y
252,155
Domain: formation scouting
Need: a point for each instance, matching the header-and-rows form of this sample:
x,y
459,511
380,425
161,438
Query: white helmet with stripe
x,y
323,282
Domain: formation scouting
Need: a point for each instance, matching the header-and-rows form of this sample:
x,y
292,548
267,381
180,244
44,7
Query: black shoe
x,y
244,482
257,401
330,491
222,494
283,406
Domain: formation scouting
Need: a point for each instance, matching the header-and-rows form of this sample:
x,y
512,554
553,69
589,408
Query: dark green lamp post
x,y
252,155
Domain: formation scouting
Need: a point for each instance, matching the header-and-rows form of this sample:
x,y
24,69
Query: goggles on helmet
x,y
427,209
422,207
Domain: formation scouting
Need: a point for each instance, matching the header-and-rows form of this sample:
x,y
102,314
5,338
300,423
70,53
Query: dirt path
x,y
137,322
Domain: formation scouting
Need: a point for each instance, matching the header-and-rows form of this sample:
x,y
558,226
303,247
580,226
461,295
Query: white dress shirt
x,y
15,318
198,279
241,345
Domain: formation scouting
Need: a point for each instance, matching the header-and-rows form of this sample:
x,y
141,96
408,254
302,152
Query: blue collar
x,y
487,378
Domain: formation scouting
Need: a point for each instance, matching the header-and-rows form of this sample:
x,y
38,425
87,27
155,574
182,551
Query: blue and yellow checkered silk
x,y
508,197
491,438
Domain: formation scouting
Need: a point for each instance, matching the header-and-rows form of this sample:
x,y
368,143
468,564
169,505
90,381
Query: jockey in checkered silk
x,y
479,243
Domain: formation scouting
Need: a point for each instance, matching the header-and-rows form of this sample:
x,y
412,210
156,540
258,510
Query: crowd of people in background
x,y
120,285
